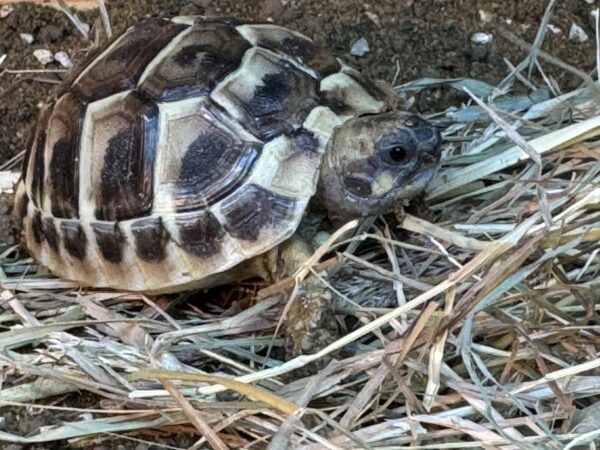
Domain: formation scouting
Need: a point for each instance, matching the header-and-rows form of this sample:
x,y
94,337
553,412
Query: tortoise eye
x,y
398,154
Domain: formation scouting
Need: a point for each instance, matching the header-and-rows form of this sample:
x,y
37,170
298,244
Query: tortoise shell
x,y
182,148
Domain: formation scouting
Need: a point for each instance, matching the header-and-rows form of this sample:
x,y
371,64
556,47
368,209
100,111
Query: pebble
x,y
27,37
44,56
554,29
3,57
5,11
360,47
482,38
576,33
63,59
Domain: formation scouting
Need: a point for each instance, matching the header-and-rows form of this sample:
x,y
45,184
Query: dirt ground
x,y
408,39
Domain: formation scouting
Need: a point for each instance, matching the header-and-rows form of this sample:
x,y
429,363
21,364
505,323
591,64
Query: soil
x,y
408,39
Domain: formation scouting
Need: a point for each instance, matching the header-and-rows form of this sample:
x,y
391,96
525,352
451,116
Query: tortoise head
x,y
377,163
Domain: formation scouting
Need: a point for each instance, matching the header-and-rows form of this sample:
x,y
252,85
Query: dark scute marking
x,y
110,239
305,140
213,166
50,233
36,226
280,102
64,167
269,97
195,66
189,54
22,205
121,68
202,157
151,239
81,65
307,53
74,238
253,208
38,155
127,174
200,234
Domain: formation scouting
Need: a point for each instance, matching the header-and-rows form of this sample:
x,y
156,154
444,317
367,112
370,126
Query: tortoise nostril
x,y
425,134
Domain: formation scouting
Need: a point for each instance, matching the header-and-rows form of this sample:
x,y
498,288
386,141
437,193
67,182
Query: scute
x,y
291,44
252,208
118,152
199,233
62,149
120,67
203,156
194,62
267,94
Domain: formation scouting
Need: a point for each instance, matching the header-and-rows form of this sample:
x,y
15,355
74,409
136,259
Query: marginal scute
x,y
120,68
50,233
203,158
62,146
21,201
267,94
110,239
252,209
195,62
289,165
36,160
200,234
36,227
291,43
74,238
344,93
118,153
151,239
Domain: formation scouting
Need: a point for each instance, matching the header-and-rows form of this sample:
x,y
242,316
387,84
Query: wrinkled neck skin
x,y
361,176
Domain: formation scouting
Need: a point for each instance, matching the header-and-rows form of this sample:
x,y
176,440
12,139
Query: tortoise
x,y
187,146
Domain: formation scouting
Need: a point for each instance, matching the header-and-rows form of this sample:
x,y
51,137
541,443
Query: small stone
x,y
44,56
373,18
27,37
63,59
5,11
360,47
484,16
554,29
3,57
577,34
482,38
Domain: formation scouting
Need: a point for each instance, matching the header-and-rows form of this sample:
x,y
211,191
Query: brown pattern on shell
x,y
63,136
200,234
37,158
121,68
202,58
50,233
74,238
251,209
150,238
125,187
111,240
